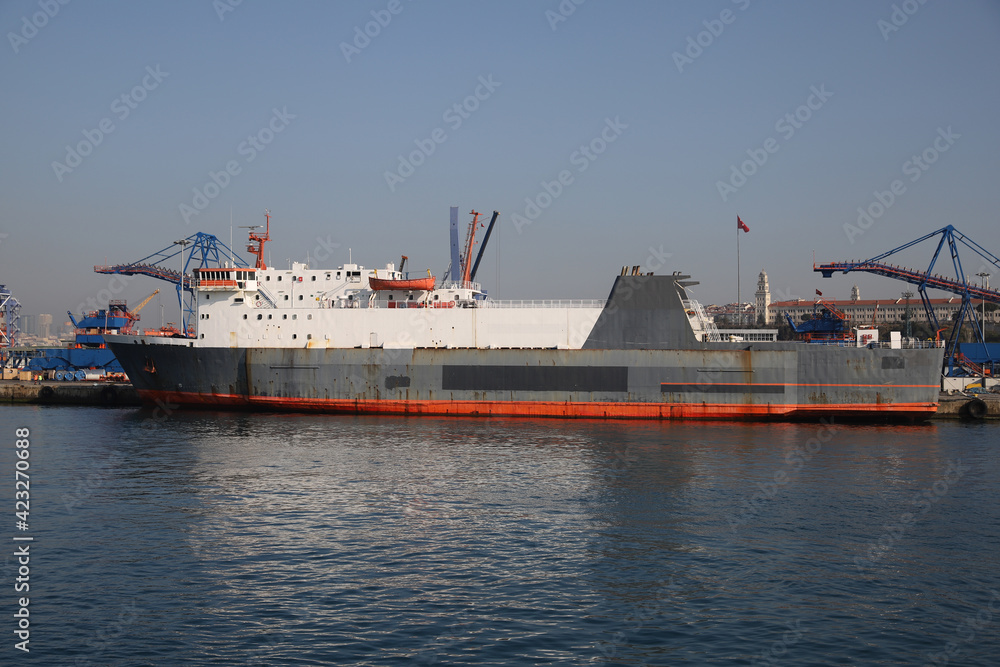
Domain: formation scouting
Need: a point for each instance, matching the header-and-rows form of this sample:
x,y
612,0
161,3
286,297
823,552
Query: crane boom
x,y
145,301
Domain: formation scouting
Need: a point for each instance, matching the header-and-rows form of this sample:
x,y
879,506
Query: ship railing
x,y
544,303
749,335
596,304
907,344
461,284
705,325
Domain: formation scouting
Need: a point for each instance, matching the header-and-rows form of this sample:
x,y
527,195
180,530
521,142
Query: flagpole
x,y
738,306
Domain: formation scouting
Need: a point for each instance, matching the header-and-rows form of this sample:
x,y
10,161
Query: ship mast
x,y
260,240
470,241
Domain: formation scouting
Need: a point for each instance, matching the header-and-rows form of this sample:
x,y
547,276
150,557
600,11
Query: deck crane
x,y
924,279
470,241
135,311
461,269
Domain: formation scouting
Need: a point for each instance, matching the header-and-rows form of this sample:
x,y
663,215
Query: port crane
x,y
828,323
135,311
10,319
197,251
959,285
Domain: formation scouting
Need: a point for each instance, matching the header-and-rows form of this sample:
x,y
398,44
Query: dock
x,y
968,406
111,394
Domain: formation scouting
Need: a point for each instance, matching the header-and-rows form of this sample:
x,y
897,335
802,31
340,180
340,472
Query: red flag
x,y
741,225
819,293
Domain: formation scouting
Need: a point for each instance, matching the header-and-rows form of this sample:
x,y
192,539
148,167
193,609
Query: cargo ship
x,y
357,340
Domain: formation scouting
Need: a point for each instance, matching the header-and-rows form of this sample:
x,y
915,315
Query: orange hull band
x,y
598,410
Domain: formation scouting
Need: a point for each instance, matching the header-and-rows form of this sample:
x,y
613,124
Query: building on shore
x,y
763,311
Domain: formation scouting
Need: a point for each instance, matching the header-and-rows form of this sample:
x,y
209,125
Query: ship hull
x,y
785,381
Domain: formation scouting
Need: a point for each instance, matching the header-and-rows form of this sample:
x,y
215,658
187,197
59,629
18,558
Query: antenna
x,y
260,240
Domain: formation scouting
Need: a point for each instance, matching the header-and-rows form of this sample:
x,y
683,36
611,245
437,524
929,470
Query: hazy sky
x,y
606,134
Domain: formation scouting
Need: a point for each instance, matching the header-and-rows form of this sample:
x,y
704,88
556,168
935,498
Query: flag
x,y
819,293
741,225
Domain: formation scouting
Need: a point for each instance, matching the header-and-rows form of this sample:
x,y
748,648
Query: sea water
x,y
169,537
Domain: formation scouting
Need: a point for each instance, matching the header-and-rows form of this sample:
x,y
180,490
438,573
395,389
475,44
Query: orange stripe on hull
x,y
598,410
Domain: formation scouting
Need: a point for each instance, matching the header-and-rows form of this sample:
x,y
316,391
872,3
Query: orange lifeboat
x,y
401,284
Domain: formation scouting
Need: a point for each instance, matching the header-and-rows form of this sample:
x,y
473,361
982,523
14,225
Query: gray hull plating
x,y
641,361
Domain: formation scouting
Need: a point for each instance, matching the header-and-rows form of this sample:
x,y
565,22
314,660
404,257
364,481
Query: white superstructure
x,y
303,307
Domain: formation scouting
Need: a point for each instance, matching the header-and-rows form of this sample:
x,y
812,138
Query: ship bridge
x,y
227,279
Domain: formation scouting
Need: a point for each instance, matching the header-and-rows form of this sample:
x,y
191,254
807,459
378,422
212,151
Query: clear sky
x,y
358,141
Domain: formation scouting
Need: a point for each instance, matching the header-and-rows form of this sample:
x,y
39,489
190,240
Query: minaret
x,y
763,295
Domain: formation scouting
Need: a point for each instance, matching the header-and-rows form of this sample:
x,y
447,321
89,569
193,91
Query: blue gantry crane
x,y
197,251
10,323
928,279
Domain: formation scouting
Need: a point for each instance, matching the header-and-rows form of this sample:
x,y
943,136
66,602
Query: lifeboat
x,y
402,284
